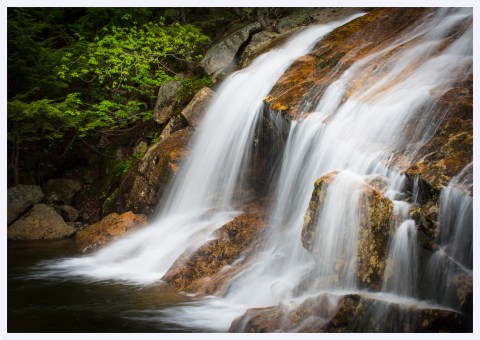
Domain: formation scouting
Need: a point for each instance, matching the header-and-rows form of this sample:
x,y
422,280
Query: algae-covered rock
x,y
41,222
146,181
374,229
108,229
335,53
206,270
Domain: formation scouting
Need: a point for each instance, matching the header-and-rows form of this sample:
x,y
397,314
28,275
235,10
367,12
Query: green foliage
x,y
128,65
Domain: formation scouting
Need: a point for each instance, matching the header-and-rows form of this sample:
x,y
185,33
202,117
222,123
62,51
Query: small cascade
x,y
450,266
353,130
401,273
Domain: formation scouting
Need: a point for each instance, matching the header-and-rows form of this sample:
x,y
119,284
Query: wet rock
x,y
108,229
222,54
207,270
20,198
426,218
350,313
197,107
374,230
335,53
147,180
464,293
278,33
451,147
63,189
41,222
165,104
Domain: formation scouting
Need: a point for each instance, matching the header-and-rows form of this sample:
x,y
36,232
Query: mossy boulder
x,y
451,147
146,181
108,229
374,229
207,269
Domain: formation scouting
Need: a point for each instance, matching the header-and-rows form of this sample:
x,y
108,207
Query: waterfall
x,y
351,130
453,261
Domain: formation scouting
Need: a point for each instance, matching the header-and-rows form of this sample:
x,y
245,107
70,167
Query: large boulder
x,y
20,198
221,55
108,229
196,109
207,270
374,229
147,180
165,104
350,313
63,189
42,222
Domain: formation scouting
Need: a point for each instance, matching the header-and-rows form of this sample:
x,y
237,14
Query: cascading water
x,y
353,130
453,261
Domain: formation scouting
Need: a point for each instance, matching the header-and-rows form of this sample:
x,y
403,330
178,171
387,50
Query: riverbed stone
x,y
350,313
207,270
41,222
21,197
110,228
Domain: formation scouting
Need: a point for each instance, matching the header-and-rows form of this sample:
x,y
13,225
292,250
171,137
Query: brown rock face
x,y
349,313
145,183
206,271
451,148
374,229
42,222
336,52
197,107
108,229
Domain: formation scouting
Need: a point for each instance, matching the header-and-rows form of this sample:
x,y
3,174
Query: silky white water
x,y
356,134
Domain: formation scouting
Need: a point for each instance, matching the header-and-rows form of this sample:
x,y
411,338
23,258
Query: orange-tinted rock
x,y
108,229
207,269
147,180
451,148
41,222
336,52
374,230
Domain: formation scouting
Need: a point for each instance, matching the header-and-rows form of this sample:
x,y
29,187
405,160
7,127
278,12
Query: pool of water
x,y
70,305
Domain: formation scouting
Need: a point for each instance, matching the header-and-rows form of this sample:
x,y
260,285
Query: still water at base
x,y
49,305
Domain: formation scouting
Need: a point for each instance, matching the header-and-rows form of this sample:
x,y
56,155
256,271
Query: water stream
x,y
352,130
